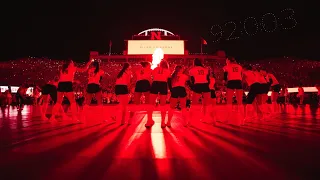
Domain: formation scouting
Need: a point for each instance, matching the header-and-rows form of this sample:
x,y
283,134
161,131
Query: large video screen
x,y
147,47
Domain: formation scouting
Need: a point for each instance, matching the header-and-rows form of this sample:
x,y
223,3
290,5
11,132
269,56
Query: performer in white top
x,y
159,87
213,98
93,89
49,91
36,95
122,91
265,87
252,80
275,87
233,79
177,85
143,85
65,87
199,78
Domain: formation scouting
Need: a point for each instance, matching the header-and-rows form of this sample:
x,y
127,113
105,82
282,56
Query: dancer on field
x,y
233,80
143,85
65,87
122,91
93,88
177,85
159,88
199,78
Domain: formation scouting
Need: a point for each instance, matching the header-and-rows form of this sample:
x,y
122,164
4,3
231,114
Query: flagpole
x,y
110,45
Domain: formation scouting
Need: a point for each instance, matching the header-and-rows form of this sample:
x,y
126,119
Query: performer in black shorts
x,y
65,87
275,87
122,91
318,88
177,85
199,77
143,85
93,89
233,79
255,89
159,88
21,95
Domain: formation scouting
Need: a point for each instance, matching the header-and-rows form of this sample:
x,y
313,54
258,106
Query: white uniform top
x,y
212,83
234,71
94,78
274,80
144,74
160,74
124,79
69,76
261,78
250,77
180,80
200,74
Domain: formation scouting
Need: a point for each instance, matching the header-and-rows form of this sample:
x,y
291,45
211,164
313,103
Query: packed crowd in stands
x,y
289,71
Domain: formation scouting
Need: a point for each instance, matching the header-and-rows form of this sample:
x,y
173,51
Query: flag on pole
x,y
203,41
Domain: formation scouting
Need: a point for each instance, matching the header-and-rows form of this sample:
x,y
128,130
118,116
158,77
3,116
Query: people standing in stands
x,y
142,87
318,88
286,94
301,94
282,98
21,95
252,81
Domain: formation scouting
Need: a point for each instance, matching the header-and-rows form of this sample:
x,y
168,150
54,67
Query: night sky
x,y
72,29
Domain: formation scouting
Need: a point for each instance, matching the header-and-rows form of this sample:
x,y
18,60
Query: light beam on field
x,y
157,56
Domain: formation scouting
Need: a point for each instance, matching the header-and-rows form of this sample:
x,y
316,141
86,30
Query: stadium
x,y
63,135
140,48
